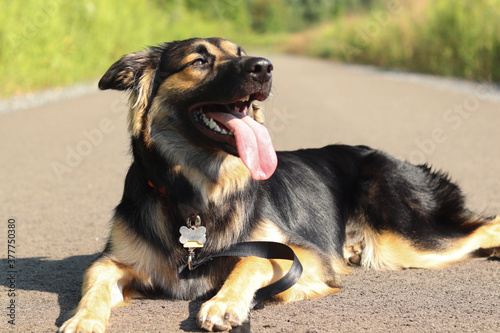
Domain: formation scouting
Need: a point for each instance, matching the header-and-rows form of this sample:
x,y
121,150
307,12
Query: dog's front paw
x,y
223,313
83,322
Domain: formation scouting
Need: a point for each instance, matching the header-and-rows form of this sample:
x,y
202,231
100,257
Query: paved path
x,y
62,169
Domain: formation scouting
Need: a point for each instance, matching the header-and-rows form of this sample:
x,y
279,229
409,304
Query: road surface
x,y
63,165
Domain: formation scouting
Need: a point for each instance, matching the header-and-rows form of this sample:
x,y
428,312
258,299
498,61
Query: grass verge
x,y
58,42
445,37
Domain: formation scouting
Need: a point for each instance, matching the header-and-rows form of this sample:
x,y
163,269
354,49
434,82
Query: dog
x,y
205,176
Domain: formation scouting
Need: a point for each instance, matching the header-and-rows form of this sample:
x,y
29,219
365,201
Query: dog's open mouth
x,y
231,124
216,129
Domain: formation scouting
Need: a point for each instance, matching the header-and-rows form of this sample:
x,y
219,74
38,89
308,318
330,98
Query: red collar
x,y
161,189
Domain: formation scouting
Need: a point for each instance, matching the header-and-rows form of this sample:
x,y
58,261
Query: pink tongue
x,y
252,141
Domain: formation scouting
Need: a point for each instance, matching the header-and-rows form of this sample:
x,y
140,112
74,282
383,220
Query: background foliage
x,y
445,37
59,42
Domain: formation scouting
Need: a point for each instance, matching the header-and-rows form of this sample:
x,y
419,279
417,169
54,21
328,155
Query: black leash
x,y
266,250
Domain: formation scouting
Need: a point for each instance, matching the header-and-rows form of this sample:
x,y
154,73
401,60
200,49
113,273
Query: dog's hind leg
x,y
487,237
102,289
389,250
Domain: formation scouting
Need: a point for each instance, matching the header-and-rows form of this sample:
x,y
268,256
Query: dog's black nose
x,y
259,69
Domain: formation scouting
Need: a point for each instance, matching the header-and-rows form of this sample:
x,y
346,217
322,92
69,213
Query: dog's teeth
x,y
245,99
210,123
231,133
205,120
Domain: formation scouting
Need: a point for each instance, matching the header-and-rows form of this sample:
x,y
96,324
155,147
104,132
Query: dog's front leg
x,y
102,289
231,306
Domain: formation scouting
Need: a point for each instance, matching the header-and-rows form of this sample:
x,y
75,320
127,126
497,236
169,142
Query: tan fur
x,y
233,300
233,176
229,47
181,81
267,231
317,280
138,102
189,77
258,114
102,289
354,244
144,261
388,250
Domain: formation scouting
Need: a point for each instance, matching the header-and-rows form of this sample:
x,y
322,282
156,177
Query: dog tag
x,y
193,237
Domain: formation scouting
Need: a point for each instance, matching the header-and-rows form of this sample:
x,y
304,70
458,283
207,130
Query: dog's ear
x,y
135,72
127,72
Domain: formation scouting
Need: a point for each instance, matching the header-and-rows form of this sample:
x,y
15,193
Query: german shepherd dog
x,y
204,162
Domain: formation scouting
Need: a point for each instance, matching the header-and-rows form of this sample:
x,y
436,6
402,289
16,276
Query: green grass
x,y
445,37
461,38
58,42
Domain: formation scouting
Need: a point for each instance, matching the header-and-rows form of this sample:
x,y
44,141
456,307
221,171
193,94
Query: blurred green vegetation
x,y
446,37
60,42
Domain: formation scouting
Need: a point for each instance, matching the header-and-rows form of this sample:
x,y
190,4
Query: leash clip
x,y
194,221
190,258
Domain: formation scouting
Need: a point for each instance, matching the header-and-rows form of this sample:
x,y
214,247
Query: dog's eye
x,y
199,62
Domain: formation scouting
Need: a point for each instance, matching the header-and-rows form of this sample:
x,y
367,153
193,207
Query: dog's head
x,y
198,93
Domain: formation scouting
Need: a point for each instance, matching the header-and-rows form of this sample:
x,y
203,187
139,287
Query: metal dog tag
x,y
193,237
